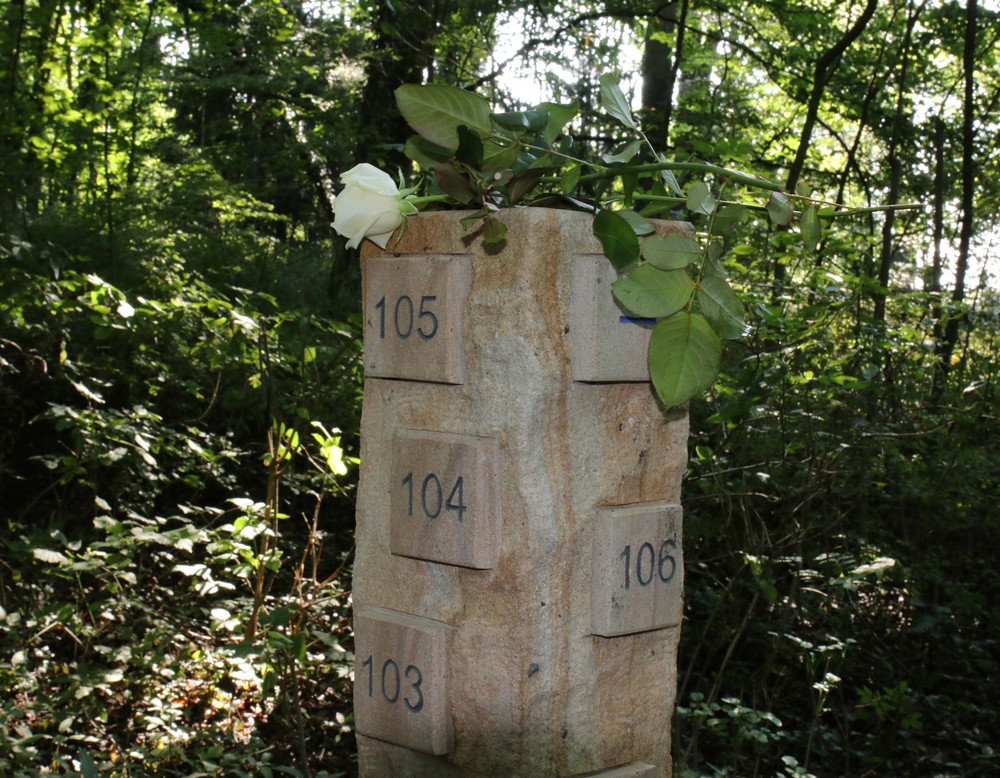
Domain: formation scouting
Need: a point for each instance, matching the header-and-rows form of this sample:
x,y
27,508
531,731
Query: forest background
x,y
180,370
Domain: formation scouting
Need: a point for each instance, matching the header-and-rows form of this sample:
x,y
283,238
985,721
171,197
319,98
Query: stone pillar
x,y
518,579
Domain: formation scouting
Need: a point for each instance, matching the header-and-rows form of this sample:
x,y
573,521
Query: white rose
x,y
371,206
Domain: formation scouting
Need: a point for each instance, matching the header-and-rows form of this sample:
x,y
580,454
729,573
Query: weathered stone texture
x,y
539,680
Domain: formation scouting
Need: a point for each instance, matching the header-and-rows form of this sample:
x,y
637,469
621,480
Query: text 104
x,y
430,495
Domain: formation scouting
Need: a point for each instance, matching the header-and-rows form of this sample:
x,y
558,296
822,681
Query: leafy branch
x,y
497,160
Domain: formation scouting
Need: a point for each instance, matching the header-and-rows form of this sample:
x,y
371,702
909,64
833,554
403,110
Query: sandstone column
x,y
518,579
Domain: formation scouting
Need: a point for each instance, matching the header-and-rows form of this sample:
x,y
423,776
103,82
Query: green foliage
x,y
829,512
684,356
617,237
165,294
128,417
676,279
437,112
170,288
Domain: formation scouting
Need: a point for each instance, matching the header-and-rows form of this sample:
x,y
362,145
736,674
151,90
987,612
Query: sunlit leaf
x,y
50,557
810,228
877,566
671,252
613,101
647,291
617,238
699,199
435,112
722,307
624,153
569,180
684,357
640,224
559,117
779,208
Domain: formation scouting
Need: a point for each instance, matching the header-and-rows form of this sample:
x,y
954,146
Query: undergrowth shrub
x,y
175,574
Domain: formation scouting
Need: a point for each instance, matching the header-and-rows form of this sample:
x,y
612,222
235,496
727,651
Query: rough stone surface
x,y
532,684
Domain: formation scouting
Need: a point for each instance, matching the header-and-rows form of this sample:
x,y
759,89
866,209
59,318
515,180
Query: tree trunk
x,y
660,65
403,53
895,169
954,321
825,66
937,262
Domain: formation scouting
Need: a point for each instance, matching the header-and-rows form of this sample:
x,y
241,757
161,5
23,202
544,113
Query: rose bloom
x,y
370,206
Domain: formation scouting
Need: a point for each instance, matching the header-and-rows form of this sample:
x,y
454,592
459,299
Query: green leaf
x,y
768,589
810,227
426,154
497,157
494,231
714,266
299,646
640,224
668,176
617,238
470,148
624,153
779,208
671,252
721,306
543,161
522,121
728,217
647,291
629,181
559,117
569,180
435,112
699,199
684,357
614,102
88,768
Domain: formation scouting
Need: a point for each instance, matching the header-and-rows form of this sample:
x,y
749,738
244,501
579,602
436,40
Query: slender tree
x,y
895,163
969,160
660,64
823,71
